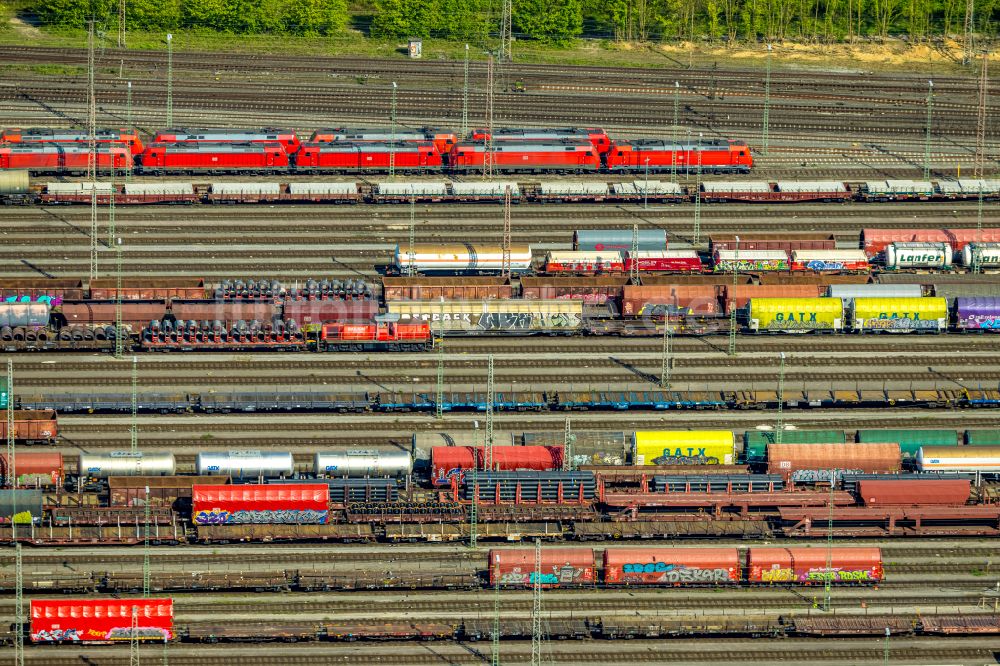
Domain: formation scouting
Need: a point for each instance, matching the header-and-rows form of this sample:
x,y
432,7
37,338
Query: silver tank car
x,y
24,314
373,462
126,463
245,464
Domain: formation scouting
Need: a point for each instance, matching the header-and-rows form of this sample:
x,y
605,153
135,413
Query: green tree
x,y
555,21
203,13
149,15
72,13
316,17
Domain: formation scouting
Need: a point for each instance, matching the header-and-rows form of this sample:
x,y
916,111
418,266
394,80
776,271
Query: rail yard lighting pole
x,y
474,507
666,367
732,301
779,426
568,439
767,105
128,123
885,652
696,236
145,550
170,80
927,131
392,140
439,398
465,94
673,132
645,187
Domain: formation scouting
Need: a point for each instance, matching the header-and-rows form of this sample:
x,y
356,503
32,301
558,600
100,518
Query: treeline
x,y
303,17
555,21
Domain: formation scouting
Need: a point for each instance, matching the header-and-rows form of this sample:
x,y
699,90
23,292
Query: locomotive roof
x,y
372,147
223,131
566,145
67,134
660,144
68,148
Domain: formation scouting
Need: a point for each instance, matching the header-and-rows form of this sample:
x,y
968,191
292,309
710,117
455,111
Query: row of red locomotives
x,y
576,567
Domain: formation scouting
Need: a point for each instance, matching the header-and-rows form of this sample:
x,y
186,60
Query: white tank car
x,y
987,254
358,463
982,459
245,464
126,463
918,255
461,258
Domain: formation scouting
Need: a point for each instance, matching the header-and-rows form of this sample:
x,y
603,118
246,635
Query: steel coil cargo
x,y
496,317
671,566
795,315
683,447
248,464
126,463
819,463
918,255
560,567
900,315
459,258
755,442
599,240
977,314
979,459
909,441
378,461
814,565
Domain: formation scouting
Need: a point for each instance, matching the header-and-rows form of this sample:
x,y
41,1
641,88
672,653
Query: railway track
x,y
823,651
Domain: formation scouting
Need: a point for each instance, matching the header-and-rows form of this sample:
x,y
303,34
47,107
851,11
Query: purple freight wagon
x,y
980,313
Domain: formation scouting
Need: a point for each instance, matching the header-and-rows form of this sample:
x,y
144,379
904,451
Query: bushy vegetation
x,y
552,21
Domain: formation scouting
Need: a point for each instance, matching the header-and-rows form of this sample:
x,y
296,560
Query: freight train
x,y
607,627
18,191
346,150
682,567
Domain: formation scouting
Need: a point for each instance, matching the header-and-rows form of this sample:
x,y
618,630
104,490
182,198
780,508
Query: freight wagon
x,y
825,463
460,259
97,621
795,315
983,460
448,462
900,315
300,503
32,426
559,317
683,447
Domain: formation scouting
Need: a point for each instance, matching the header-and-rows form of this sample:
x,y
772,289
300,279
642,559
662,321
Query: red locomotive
x,y
375,336
595,135
213,157
548,156
363,157
443,140
715,155
47,135
39,158
286,138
